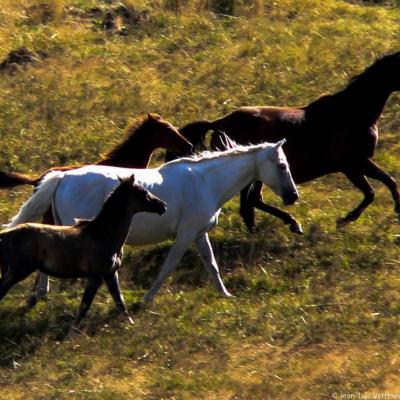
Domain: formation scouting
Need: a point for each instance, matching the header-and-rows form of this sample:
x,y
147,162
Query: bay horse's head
x,y
165,135
274,171
139,198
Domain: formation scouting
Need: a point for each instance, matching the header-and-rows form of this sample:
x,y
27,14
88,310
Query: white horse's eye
x,y
283,167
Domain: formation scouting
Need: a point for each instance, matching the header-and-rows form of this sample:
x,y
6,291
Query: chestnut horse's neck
x,y
135,151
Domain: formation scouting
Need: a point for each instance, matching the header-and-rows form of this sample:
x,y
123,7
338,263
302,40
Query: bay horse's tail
x,y
40,201
11,179
195,132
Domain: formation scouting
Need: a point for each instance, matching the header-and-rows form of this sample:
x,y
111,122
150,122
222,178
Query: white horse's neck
x,y
226,175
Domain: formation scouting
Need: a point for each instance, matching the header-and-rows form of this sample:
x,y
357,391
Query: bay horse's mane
x,y
123,149
326,103
380,65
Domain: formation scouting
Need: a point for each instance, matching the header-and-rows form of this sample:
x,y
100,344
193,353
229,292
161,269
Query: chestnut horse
x,y
134,152
335,133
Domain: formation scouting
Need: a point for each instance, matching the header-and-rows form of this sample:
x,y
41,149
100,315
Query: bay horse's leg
x,y
112,283
360,182
207,256
374,172
91,289
42,284
247,207
175,254
255,197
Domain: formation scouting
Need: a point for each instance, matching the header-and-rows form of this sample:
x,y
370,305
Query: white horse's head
x,y
273,170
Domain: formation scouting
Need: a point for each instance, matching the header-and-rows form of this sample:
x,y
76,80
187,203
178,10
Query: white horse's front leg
x,y
175,254
41,288
207,256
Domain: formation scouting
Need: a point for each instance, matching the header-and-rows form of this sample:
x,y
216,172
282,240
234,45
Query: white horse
x,y
193,188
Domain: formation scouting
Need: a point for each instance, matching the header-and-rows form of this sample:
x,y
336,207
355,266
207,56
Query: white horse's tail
x,y
39,202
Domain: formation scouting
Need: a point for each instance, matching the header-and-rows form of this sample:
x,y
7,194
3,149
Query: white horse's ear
x,y
279,144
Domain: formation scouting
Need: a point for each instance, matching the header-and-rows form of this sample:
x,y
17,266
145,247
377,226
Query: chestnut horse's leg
x,y
91,289
207,256
254,199
112,283
360,182
374,172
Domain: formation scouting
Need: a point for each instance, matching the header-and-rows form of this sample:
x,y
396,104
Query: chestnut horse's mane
x,y
122,150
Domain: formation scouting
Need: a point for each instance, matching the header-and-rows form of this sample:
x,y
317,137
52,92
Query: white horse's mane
x,y
231,149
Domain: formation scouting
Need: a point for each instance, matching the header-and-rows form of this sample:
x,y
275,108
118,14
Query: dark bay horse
x,y
134,152
335,133
90,249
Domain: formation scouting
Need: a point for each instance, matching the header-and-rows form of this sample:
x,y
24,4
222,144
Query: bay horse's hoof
x,y
73,331
342,222
296,228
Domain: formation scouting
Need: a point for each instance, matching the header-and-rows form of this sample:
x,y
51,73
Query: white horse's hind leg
x,y
207,256
175,254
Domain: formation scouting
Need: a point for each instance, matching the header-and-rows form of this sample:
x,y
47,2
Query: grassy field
x,y
314,316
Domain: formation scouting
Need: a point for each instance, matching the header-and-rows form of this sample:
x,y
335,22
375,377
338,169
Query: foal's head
x,y
273,170
138,199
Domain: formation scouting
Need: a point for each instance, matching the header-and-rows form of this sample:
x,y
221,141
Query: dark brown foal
x,y
90,249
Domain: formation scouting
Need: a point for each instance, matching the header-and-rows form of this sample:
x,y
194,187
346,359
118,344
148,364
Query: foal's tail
x,y
11,179
39,202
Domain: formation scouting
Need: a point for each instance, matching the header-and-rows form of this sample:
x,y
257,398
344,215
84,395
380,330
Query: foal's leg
x,y
175,254
6,283
374,172
40,289
360,182
42,284
207,256
112,283
255,197
91,289
10,279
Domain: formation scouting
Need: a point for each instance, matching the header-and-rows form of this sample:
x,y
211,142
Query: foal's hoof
x,y
31,302
296,228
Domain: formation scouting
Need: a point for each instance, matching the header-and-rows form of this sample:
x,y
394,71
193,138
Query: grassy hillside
x,y
313,315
